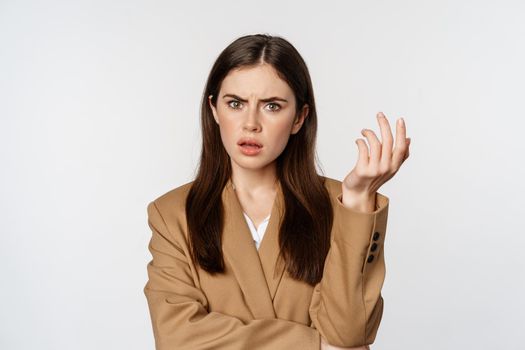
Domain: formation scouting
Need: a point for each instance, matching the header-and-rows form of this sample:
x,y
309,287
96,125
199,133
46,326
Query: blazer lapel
x,y
241,253
273,267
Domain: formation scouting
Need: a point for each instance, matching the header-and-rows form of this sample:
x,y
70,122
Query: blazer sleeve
x,y
178,309
347,305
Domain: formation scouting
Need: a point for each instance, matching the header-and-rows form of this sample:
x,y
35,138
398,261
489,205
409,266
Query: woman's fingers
x,y
377,158
375,146
362,161
408,149
378,164
400,149
387,141
380,151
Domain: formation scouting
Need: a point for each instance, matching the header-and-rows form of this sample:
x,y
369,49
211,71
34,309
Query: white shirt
x,y
257,233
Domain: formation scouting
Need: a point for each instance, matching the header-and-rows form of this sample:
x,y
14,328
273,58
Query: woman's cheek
x,y
228,138
282,140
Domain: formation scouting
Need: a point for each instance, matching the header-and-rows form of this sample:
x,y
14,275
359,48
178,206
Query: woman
x,y
259,251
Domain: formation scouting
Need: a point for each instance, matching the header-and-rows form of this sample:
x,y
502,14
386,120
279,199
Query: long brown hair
x,y
304,234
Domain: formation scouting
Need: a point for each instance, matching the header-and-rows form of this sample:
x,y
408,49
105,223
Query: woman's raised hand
x,y
377,166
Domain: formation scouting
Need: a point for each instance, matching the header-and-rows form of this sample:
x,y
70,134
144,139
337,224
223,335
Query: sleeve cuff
x,y
363,232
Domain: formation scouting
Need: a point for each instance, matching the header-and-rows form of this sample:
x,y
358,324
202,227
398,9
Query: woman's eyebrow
x,y
274,98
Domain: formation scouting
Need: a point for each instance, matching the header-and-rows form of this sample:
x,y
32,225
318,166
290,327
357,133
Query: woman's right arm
x,y
178,309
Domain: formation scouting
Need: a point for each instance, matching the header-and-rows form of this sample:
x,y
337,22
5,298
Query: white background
x,y
99,108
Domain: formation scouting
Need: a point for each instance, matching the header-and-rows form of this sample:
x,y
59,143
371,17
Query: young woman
x,y
259,251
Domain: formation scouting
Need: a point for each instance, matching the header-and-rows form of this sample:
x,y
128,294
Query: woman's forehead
x,y
261,81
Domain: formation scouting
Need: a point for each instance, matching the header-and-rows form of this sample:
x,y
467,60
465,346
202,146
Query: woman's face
x,y
241,112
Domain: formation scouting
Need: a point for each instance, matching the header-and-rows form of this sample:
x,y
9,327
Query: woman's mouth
x,y
250,149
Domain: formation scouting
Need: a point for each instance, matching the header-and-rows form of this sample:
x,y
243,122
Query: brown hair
x,y
304,234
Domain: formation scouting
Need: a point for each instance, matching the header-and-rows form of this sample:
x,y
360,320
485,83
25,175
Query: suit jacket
x,y
256,304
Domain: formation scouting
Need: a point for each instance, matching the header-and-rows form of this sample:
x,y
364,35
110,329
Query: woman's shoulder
x,y
174,199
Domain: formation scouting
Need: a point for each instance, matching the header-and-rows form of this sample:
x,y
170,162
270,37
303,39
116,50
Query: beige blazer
x,y
256,304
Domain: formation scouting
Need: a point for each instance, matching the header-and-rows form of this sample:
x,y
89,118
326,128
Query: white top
x,y
257,233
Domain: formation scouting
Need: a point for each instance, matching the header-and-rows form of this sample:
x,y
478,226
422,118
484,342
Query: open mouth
x,y
250,145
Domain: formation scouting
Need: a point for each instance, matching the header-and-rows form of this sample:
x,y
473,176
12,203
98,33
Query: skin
x,y
272,123
377,166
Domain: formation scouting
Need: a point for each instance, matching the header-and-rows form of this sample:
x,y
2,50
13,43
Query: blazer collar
x,y
258,272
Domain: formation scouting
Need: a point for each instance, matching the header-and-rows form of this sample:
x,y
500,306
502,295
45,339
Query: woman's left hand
x,y
376,167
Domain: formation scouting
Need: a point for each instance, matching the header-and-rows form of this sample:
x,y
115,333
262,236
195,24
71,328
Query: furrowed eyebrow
x,y
274,98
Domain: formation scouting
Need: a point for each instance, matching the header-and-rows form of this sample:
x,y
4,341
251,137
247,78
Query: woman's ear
x,y
299,120
213,109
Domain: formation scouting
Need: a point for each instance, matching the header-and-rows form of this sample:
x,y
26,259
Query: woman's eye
x,y
235,105
230,104
276,108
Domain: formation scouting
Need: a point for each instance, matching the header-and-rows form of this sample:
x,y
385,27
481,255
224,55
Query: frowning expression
x,y
255,103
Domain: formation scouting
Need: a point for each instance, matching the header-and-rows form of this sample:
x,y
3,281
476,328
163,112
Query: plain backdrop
x,y
99,108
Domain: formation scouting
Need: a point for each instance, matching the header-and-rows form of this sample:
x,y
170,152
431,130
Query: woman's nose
x,y
252,119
